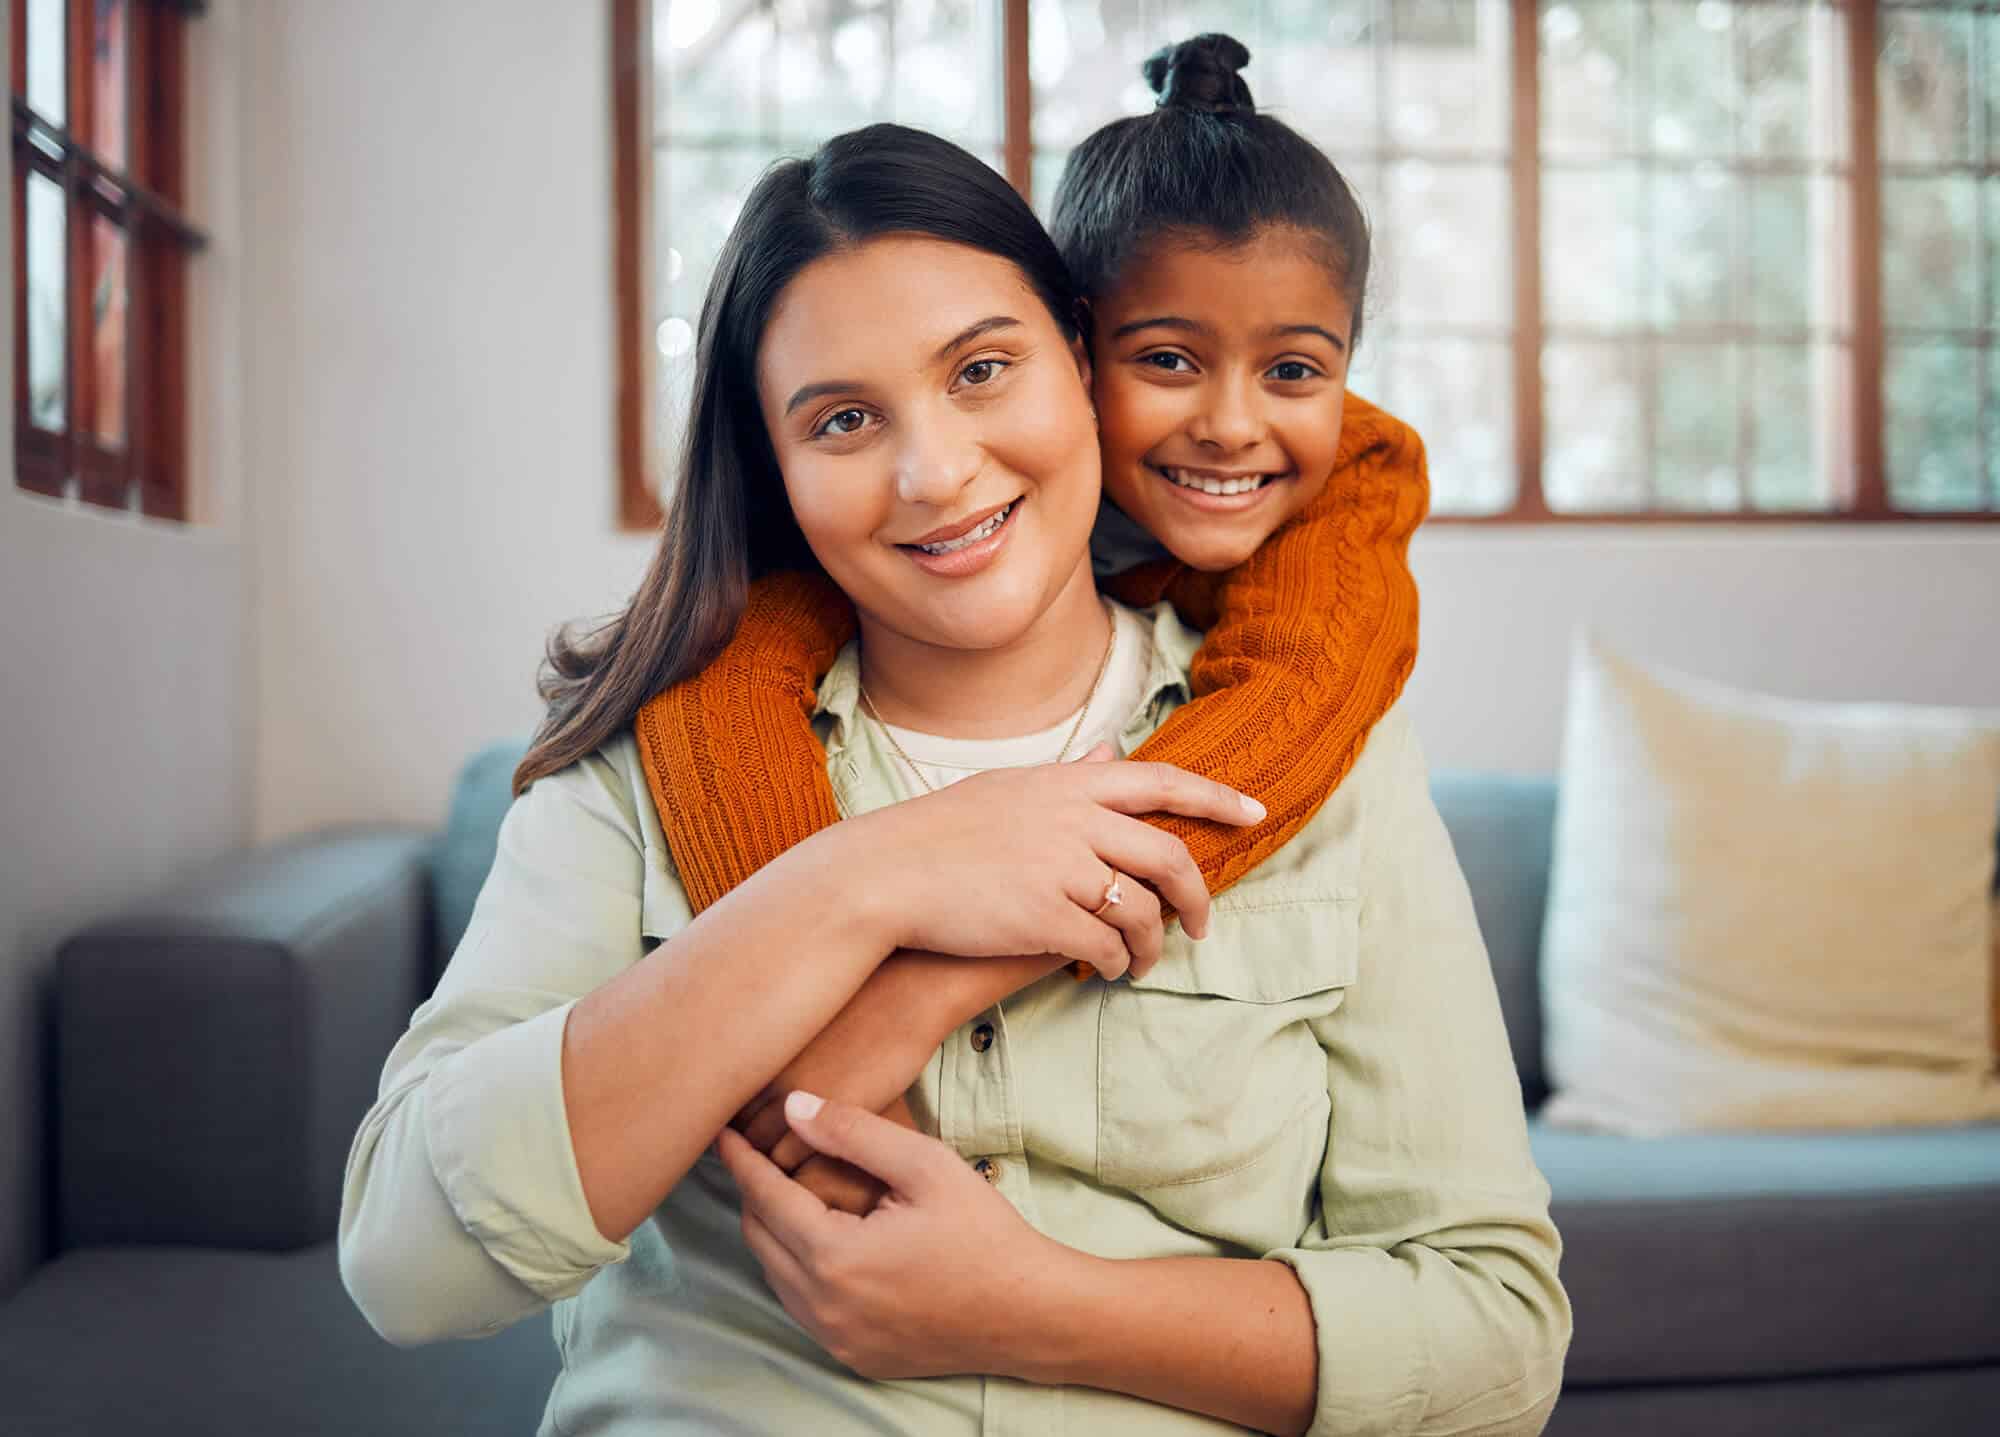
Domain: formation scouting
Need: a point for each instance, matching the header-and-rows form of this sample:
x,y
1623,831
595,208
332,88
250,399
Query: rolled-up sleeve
x,y
462,1209
1431,1267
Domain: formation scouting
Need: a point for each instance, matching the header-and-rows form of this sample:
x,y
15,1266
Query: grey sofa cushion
x,y
190,1342
1755,1255
217,1047
464,854
1941,1402
1502,829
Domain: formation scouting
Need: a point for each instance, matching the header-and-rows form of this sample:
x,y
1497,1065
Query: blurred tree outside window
x,y
1693,293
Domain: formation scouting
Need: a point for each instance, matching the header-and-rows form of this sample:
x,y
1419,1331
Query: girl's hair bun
x,y
1200,74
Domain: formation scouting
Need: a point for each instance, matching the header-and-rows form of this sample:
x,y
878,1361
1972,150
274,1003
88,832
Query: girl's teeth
x,y
1213,486
951,545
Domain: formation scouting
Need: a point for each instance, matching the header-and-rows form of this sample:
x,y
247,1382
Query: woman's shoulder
x,y
607,786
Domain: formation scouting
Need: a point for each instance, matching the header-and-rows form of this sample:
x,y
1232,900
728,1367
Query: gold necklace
x,y
1103,667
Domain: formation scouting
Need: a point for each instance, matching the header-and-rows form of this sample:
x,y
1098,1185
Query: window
x,y
100,252
1722,259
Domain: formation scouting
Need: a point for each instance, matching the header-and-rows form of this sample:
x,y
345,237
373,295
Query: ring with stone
x,y
1113,896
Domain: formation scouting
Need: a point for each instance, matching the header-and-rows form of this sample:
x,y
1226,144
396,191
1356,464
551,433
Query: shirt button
x,y
982,1037
987,1169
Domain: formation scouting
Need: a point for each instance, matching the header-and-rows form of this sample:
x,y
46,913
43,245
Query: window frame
x,y
1863,467
159,241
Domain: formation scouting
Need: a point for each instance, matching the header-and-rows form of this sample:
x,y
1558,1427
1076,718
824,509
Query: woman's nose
x,y
935,464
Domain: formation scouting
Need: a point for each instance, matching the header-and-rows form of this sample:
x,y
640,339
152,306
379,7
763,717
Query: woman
x,y
1166,1239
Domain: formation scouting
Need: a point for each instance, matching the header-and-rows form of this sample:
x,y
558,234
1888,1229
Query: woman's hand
x,y
1019,861
943,1276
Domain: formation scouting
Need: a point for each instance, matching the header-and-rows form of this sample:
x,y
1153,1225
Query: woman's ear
x,y
1079,350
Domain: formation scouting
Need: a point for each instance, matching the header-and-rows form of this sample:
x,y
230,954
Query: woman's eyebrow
x,y
807,393
973,331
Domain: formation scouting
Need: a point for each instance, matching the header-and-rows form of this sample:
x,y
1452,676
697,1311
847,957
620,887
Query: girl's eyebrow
x,y
1190,326
1326,334
1160,321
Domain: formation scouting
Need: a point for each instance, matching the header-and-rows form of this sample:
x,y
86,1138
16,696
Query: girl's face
x,y
933,427
1221,374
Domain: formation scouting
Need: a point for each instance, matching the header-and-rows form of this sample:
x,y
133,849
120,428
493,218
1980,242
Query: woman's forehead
x,y
895,300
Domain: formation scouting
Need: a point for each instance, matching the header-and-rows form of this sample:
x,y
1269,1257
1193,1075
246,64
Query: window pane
x,y
697,193
1793,275
1593,251
1931,398
1790,57
1457,393
1449,75
1594,456
1697,394
1929,274
48,293
109,302
1443,240
48,82
1325,74
1693,91
830,68
712,76
1692,226
1791,388
1924,86
1588,76
1992,85
109,48
947,69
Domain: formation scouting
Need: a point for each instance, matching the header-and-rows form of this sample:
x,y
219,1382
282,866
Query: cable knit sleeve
x,y
730,755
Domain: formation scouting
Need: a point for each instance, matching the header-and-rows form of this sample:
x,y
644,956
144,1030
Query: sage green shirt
x,y
1323,1081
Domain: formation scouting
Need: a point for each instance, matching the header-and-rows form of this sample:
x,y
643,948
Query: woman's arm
x,y
520,1133
1423,1299
1432,1264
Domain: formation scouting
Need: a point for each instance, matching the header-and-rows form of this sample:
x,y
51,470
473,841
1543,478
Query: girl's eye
x,y
1167,360
982,371
1290,371
845,421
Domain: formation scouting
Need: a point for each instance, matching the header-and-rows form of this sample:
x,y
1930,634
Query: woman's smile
x,y
963,549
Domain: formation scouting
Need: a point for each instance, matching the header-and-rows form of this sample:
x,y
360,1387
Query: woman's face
x,y
934,430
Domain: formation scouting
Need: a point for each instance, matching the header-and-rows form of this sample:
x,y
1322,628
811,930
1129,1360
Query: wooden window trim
x,y
1862,465
159,239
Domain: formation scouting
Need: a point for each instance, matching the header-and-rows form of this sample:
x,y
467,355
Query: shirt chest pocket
x,y
1212,1088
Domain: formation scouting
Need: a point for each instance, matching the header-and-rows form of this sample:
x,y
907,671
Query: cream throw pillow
x,y
1766,913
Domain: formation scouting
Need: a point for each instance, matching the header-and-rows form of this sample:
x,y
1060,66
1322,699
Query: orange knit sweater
x,y
1308,642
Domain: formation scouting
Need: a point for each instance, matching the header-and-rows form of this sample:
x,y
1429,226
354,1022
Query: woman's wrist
x,y
841,875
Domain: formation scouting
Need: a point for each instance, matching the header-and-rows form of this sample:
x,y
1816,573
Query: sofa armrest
x,y
217,1047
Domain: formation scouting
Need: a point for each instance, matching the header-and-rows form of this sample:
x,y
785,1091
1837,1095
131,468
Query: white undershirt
x,y
944,761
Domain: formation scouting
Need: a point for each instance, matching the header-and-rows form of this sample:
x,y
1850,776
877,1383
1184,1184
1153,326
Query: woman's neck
x,y
1023,687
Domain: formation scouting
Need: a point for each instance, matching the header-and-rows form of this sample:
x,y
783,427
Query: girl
x,y
1139,1214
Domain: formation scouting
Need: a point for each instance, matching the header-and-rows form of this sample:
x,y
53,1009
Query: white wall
x,y
124,751
431,386
433,382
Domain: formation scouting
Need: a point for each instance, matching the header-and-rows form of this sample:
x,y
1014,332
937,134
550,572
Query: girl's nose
x,y
1227,419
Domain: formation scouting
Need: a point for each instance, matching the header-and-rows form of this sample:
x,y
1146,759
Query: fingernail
x,y
801,1106
1253,808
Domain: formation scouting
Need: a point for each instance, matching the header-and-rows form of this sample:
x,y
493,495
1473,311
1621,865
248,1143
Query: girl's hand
x,y
1019,860
841,1186
942,1277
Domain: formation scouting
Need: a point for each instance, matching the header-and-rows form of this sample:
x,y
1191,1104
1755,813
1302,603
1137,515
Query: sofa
x,y
215,1049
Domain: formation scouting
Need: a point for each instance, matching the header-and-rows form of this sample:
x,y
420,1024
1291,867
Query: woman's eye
x,y
981,371
1290,371
1169,361
845,421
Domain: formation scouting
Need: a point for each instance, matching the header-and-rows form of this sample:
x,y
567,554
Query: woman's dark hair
x,y
1202,165
729,521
